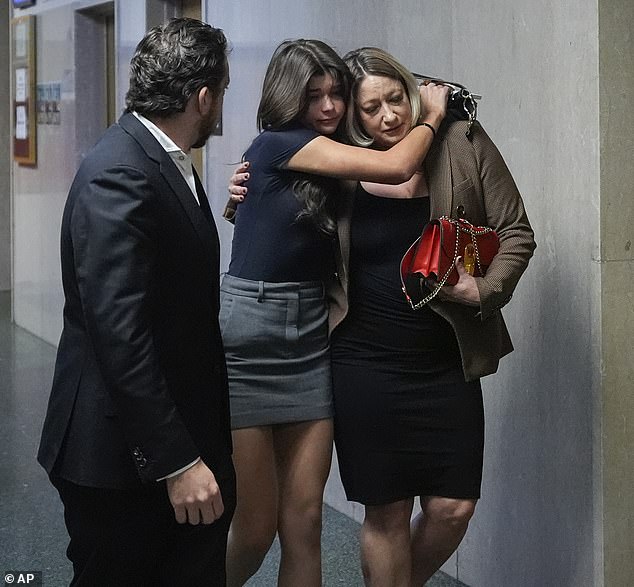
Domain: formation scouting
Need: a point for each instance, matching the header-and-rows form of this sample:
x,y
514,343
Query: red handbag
x,y
430,262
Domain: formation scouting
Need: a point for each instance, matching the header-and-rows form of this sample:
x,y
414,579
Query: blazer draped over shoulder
x,y
467,173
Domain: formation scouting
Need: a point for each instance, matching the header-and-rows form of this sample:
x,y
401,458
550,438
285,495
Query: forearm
x,y
505,212
408,155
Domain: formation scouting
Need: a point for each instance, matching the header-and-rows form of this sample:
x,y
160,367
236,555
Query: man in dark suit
x,y
136,437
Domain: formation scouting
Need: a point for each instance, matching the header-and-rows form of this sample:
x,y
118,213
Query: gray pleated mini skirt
x,y
276,346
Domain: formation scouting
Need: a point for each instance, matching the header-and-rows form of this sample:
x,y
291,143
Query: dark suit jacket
x,y
466,172
140,385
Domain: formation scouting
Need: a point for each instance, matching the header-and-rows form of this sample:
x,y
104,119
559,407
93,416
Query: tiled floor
x,y
32,533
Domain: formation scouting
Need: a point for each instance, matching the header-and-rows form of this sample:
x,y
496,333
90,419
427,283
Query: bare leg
x,y
436,533
385,544
303,452
255,520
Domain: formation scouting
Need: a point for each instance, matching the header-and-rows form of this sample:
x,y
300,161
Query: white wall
x,y
40,192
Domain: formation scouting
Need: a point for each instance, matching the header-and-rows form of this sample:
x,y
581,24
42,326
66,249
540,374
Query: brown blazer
x,y
468,172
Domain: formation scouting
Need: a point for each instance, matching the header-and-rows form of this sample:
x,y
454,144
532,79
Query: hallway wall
x,y
5,148
537,64
40,192
616,87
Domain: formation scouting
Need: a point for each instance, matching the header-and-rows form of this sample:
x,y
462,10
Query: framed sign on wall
x,y
23,3
24,114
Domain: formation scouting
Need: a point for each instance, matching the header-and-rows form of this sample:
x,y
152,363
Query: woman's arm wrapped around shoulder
x,y
505,213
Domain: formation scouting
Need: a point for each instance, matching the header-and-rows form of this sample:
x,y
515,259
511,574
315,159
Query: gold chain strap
x,y
471,231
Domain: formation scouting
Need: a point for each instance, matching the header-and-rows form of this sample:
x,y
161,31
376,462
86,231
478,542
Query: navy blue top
x,y
269,243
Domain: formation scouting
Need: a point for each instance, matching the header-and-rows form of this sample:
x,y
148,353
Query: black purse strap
x,y
461,101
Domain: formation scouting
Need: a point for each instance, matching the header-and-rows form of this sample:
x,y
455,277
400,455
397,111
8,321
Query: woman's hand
x,y
236,190
434,103
465,291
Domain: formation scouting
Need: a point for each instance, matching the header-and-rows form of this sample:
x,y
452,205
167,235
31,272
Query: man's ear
x,y
205,99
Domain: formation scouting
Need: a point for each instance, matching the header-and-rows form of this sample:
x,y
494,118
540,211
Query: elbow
x,y
399,175
406,174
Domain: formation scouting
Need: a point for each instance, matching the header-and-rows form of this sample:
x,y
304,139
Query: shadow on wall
x,y
538,478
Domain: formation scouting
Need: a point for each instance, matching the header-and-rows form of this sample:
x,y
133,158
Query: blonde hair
x,y
374,61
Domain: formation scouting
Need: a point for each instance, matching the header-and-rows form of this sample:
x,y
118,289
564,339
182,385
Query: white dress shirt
x,y
182,160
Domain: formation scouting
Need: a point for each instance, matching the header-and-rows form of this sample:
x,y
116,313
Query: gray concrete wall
x,y
5,149
536,63
616,87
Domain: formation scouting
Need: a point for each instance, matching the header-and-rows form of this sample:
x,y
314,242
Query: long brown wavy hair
x,y
283,104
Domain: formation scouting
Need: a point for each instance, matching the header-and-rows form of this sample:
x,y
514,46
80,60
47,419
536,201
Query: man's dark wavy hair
x,y
172,62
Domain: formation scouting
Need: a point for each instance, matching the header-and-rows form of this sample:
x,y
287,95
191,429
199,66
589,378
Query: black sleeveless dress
x,y
406,422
